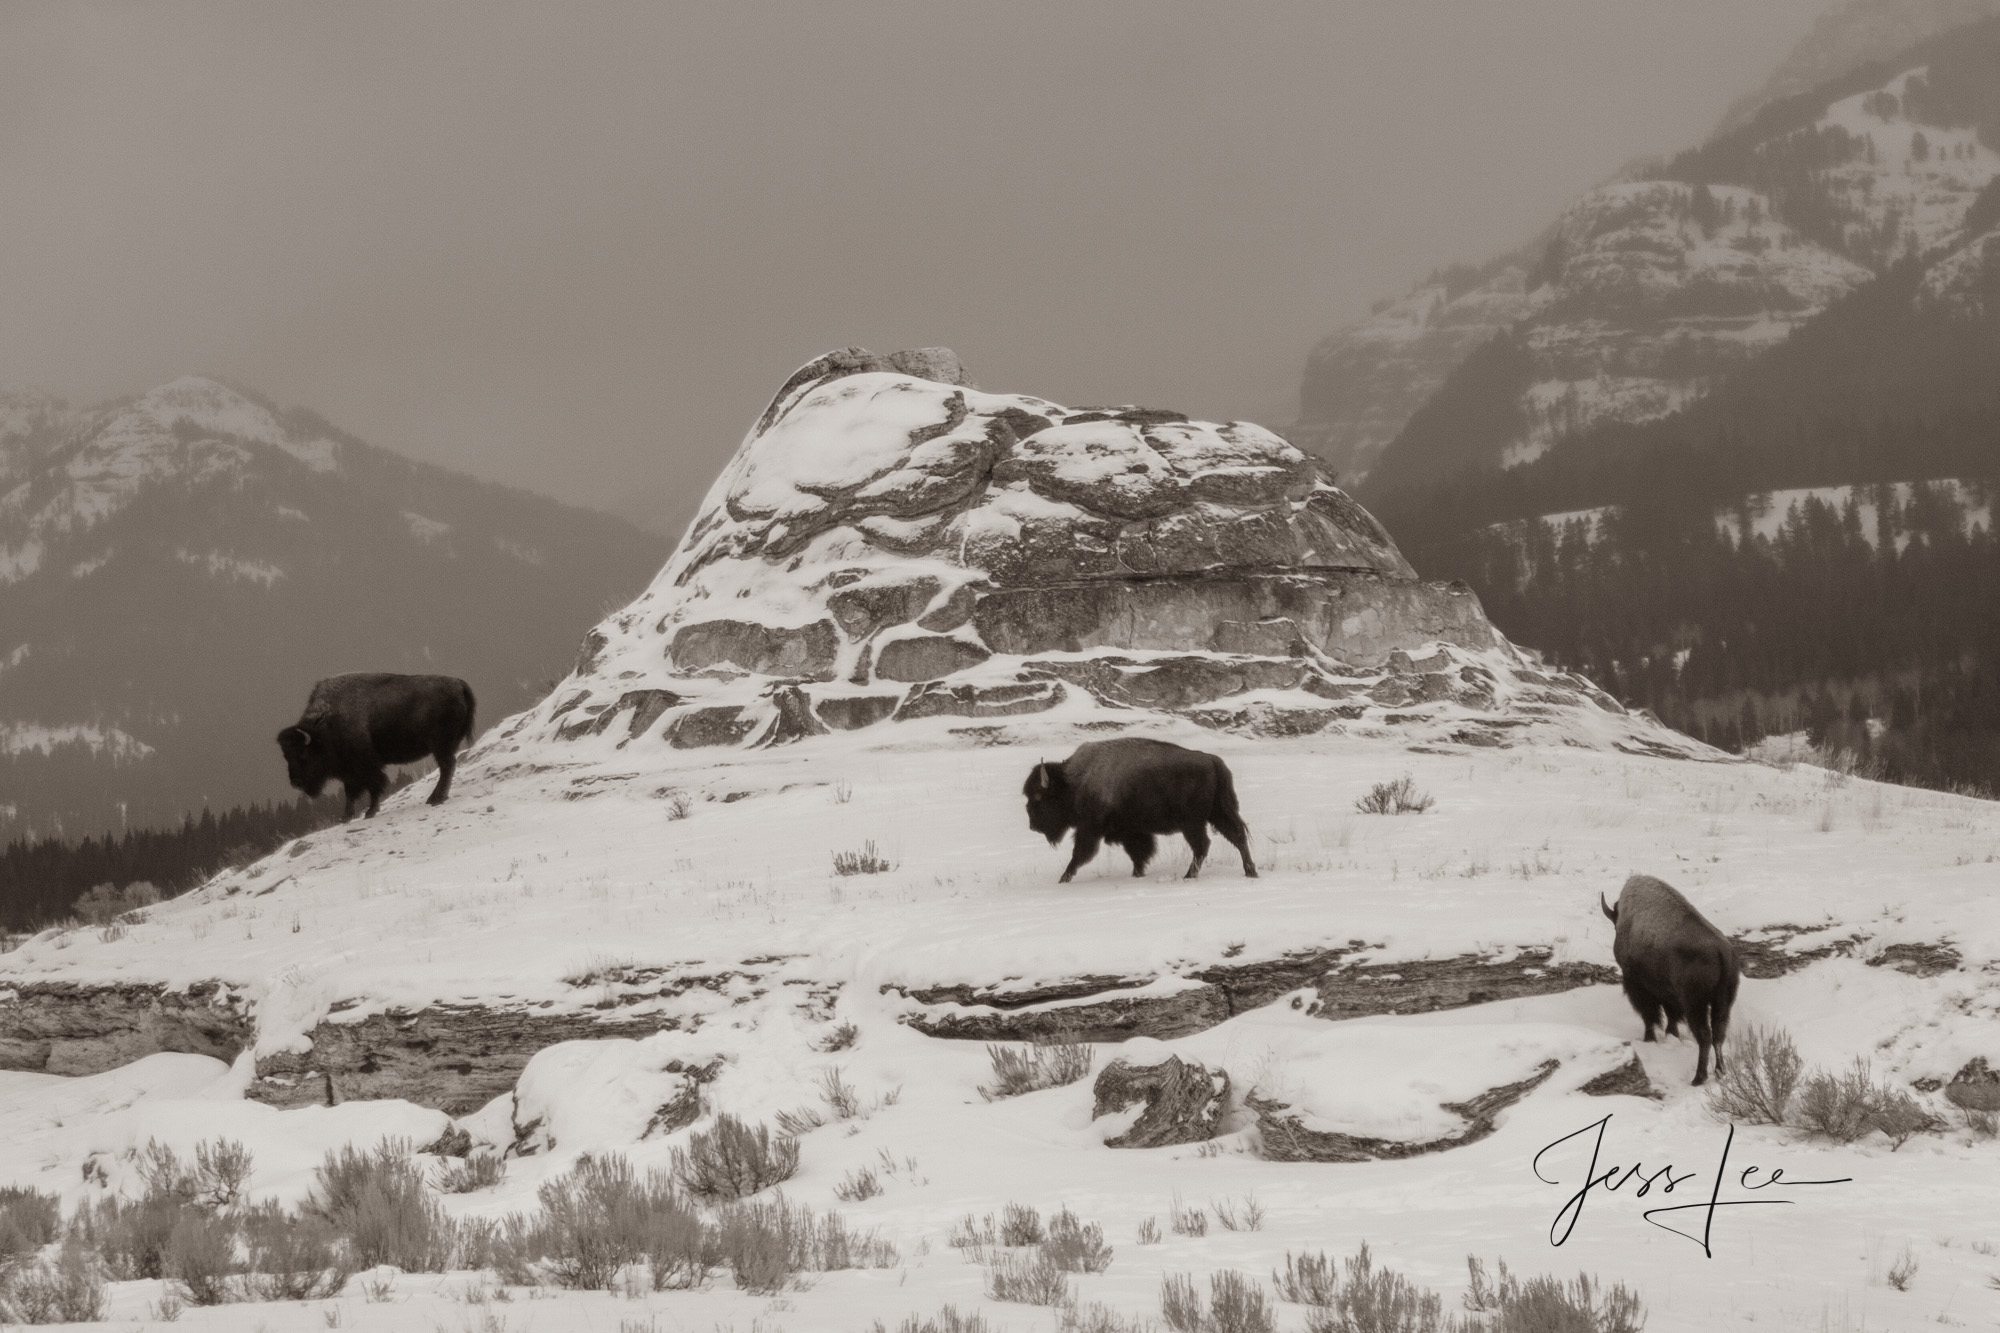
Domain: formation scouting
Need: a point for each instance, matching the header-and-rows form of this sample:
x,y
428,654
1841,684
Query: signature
x,y
1611,1178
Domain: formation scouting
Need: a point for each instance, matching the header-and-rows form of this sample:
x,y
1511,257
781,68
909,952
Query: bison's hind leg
x,y
1197,841
1645,1005
1230,825
1704,1038
446,762
1140,847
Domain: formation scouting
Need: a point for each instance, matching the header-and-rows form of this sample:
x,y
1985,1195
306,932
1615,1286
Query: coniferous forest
x,y
42,881
1868,615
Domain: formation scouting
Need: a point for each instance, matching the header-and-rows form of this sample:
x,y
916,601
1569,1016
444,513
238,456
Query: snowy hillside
x,y
1645,293
675,890
176,570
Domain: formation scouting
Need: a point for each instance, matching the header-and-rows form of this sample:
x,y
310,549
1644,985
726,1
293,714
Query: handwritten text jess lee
x,y
1613,1178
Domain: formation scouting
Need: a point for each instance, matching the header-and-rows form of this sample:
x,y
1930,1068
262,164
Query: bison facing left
x,y
356,725
1129,790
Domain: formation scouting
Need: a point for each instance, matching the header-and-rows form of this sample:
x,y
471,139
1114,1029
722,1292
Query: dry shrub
x,y
1400,797
1180,1303
1309,1279
867,861
68,1291
480,1172
858,1185
1838,1106
1096,1318
201,1258
1549,1305
1237,1305
1186,1221
29,1220
1075,1246
1149,1231
131,1235
292,1257
1020,1225
377,1200
601,1216
734,1161
946,1320
1369,1300
1763,1074
765,1241
1246,1216
1027,1279
1050,1064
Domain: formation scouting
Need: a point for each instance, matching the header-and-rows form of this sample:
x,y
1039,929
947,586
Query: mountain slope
x,y
1646,293
176,570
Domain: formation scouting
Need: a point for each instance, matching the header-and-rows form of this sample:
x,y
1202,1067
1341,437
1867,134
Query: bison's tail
x,y
1720,1005
471,710
1225,792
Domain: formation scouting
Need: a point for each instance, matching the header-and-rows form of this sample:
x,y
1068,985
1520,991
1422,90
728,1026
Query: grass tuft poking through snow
x,y
1549,1303
1235,1305
946,1320
1051,1064
734,1161
478,1172
867,861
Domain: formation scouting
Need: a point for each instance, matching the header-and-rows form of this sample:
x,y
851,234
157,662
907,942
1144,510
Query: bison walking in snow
x,y
355,725
1128,790
1672,959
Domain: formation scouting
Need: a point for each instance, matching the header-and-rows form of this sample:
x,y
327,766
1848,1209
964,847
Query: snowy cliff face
x,y
891,544
1644,293
1851,35
176,570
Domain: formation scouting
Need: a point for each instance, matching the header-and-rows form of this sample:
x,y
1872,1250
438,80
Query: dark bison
x,y
356,724
1672,959
1127,791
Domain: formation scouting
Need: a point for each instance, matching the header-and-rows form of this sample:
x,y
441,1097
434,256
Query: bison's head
x,y
307,763
1050,811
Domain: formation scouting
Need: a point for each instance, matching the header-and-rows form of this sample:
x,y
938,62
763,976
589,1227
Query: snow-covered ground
x,y
552,872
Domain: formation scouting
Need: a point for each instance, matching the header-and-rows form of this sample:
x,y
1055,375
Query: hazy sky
x,y
576,246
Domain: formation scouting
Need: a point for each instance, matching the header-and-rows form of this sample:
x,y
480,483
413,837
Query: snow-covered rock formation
x,y
891,544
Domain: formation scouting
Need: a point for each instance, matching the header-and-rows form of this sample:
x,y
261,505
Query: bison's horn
x,y
305,737
1610,912
1043,769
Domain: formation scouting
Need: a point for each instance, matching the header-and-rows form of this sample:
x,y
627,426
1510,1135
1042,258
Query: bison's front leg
x,y
446,763
375,789
1086,847
347,810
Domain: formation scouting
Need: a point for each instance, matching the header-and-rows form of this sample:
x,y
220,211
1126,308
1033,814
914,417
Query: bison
x,y
356,724
1672,959
1130,789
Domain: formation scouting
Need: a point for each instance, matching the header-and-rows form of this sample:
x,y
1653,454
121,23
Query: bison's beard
x,y
311,786
1055,839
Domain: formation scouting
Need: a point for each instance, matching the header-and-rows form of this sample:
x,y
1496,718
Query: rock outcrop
x,y
1182,1101
891,544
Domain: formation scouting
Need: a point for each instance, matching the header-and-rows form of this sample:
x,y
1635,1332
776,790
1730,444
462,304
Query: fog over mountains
x,y
177,569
